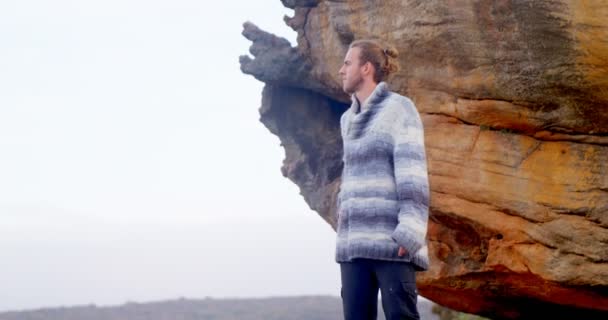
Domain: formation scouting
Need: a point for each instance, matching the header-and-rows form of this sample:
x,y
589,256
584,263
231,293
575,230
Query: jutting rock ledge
x,y
514,100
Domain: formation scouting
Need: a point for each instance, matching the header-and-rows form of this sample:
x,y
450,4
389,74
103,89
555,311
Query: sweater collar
x,y
380,92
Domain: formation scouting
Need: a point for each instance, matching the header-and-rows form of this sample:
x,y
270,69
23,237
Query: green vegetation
x,y
291,308
280,308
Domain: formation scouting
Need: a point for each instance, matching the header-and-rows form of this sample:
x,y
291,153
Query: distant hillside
x,y
284,308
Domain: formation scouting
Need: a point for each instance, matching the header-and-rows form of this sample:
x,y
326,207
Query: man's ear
x,y
367,67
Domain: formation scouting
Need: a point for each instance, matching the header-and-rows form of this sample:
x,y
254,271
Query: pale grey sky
x,y
133,165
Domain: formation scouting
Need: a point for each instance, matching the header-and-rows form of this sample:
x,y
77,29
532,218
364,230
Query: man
x,y
384,196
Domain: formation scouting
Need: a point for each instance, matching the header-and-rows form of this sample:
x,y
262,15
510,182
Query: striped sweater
x,y
384,196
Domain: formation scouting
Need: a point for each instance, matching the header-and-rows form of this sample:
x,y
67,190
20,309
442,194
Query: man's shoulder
x,y
400,104
402,112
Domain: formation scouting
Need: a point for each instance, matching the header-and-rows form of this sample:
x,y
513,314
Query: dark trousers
x,y
361,280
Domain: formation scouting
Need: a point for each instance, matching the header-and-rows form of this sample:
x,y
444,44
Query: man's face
x,y
352,79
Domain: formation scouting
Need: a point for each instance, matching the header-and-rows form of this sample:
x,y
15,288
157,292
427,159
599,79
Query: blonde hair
x,y
384,59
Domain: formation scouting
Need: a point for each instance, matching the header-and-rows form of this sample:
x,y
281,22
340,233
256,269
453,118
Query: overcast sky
x,y
133,166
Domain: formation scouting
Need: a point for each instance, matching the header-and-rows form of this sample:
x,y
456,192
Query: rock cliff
x,y
514,100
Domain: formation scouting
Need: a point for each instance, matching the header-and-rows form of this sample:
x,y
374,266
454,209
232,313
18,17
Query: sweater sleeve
x,y
411,178
339,194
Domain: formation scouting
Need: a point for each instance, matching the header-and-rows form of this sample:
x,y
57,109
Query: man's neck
x,y
364,93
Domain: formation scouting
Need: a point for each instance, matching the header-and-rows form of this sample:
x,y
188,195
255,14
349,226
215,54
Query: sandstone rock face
x,y
514,100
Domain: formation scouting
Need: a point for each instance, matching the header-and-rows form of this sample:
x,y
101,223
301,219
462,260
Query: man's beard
x,y
352,86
